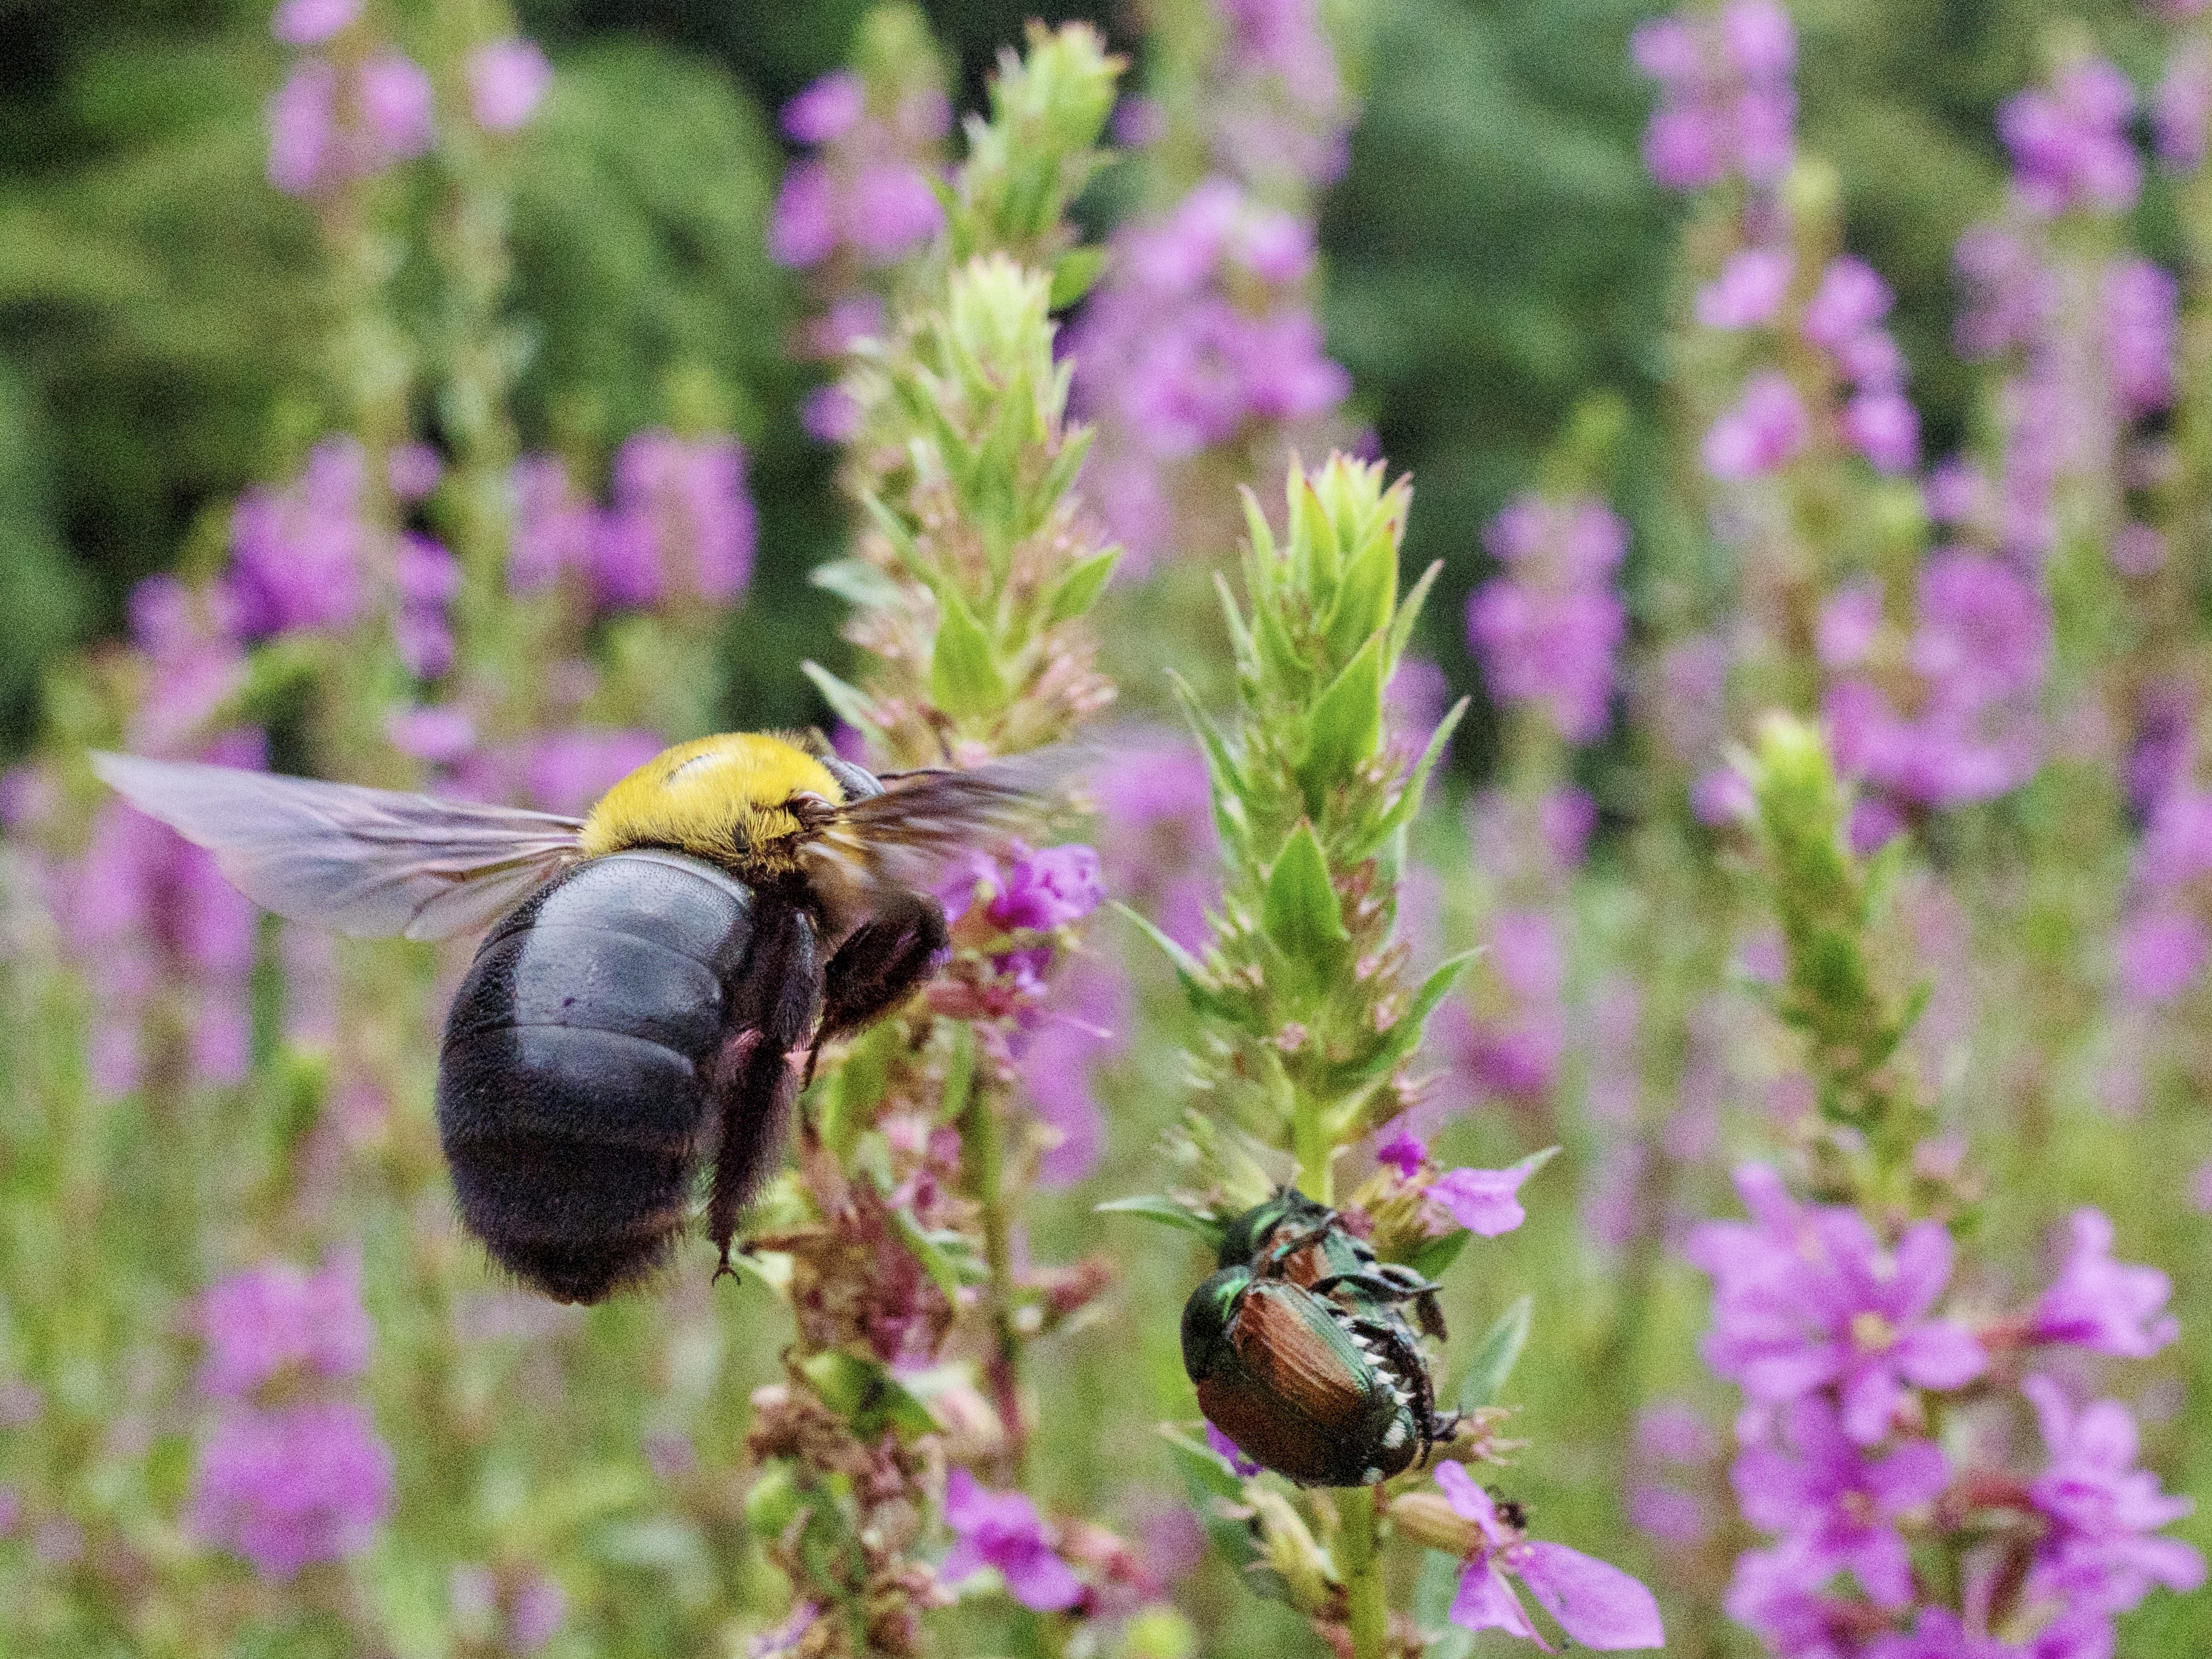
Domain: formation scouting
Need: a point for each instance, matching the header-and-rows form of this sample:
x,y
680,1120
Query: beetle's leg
x,y
1279,1254
1378,1285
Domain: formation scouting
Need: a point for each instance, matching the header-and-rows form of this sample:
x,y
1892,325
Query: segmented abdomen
x,y
576,1086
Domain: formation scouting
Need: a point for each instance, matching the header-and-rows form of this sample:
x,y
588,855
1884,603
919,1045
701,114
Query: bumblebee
x,y
652,971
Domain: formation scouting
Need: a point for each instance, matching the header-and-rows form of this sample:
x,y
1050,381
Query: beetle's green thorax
x,y
1289,1211
1206,1319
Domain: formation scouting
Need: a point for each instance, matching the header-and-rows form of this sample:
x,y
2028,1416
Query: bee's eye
x,y
814,814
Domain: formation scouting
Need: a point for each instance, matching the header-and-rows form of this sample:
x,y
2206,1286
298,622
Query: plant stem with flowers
x,y
974,568
1309,1029
1873,1384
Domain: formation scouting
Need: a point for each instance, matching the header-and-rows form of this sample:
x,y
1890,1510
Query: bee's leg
x,y
879,967
753,1084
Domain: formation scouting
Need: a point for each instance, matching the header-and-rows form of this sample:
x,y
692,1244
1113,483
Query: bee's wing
x,y
367,861
910,835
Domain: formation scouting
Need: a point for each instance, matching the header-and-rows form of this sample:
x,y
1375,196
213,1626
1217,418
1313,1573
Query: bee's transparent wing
x,y
910,836
366,861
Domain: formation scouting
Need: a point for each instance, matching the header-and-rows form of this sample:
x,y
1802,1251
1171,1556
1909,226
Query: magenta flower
x,y
802,228
1048,889
1885,428
1405,1152
2105,1305
1749,289
1807,1297
1486,1201
284,1489
303,136
2101,1553
1941,1634
1764,431
1851,299
310,22
1003,1530
2070,143
826,110
275,1318
1222,1447
1549,630
1835,1504
2159,951
2181,110
396,107
413,470
1597,1605
507,80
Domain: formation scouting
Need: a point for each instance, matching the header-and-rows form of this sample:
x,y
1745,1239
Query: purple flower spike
x,y
271,1318
2102,1304
1940,1634
1851,299
283,1489
1836,1506
1749,291
1767,427
1002,1529
2100,1554
1597,1605
507,80
1485,1201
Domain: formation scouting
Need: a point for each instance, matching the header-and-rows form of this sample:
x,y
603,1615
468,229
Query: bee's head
x,y
734,794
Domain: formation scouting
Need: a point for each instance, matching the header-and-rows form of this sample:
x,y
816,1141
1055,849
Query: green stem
x,y
983,1156
1366,1615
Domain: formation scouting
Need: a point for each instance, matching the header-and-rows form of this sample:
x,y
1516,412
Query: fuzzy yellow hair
x,y
724,798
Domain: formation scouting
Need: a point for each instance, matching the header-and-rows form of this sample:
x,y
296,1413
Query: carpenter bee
x,y
634,1014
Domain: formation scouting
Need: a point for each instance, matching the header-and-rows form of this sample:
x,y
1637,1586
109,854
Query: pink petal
x,y
1599,1605
1487,1601
1940,1355
1041,1582
1470,1500
1482,1201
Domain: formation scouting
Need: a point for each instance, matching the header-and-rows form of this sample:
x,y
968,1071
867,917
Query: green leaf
x,y
1300,911
1416,786
1432,1598
1495,1359
1438,1254
848,702
1079,590
1315,550
1073,275
934,1262
1346,725
1409,612
897,533
965,677
1153,1206
857,582
1198,987
866,1394
1363,602
1224,776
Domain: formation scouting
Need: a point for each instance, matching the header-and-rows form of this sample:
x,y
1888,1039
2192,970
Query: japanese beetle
x,y
1328,1394
1291,1236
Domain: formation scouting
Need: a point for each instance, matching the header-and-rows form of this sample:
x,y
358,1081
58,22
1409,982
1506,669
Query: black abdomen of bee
x,y
626,1024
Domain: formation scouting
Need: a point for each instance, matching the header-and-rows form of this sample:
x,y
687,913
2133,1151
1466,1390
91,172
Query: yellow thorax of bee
x,y
720,798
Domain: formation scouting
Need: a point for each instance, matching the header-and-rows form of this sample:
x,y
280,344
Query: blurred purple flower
x,y
310,22
1549,630
536,1613
1049,888
507,80
2070,143
413,470
1885,428
2181,110
1003,1530
1222,1447
1669,1514
2161,951
2103,1306
802,227
567,771
827,109
277,1317
398,108
1851,299
1726,106
299,554
303,137
287,1488
1597,1605
2100,1555
891,211
439,735
1764,430
1939,1633
2142,303
1835,1504
1749,289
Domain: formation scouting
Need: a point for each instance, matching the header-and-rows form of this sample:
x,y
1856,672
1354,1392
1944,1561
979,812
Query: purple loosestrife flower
x,y
1597,1605
1548,631
1090,1011
413,470
507,80
2101,1555
681,521
2142,304
398,108
303,136
1049,889
1761,434
284,1489
867,191
2070,143
310,22
1003,1530
1405,1152
2181,111
2159,951
1486,1202
277,1318
2104,1305
299,554
1835,1504
1806,1298
1750,289
1940,1633
1222,1447
1726,106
